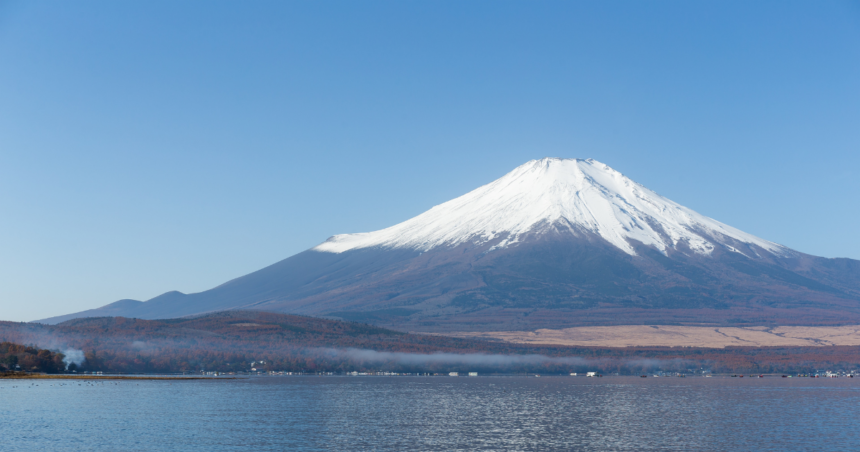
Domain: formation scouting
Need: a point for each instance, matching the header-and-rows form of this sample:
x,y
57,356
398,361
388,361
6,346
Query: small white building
x,y
453,374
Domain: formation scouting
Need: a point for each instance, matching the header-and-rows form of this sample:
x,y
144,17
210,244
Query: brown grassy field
x,y
675,336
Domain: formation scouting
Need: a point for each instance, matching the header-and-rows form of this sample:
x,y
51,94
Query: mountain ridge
x,y
553,243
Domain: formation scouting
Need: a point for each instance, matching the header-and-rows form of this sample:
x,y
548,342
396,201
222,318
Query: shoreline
x,y
25,376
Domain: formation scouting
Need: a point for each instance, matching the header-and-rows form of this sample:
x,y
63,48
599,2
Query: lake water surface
x,y
431,413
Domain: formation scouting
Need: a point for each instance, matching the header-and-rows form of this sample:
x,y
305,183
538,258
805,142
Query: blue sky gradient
x,y
153,146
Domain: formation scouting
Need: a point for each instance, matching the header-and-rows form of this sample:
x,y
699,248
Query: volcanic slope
x,y
554,243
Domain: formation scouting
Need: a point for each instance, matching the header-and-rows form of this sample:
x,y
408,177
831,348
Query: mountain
x,y
554,243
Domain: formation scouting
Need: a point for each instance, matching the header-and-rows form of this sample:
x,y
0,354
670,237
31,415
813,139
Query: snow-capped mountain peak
x,y
582,195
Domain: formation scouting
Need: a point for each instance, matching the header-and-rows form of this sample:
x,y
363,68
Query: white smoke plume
x,y
73,356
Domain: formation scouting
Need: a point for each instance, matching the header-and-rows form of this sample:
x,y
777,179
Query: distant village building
x,y
453,374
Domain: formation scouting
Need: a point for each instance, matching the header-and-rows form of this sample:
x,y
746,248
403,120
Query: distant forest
x,y
236,341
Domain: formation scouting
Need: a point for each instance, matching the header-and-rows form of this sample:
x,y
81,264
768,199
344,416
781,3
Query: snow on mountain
x,y
565,238
583,195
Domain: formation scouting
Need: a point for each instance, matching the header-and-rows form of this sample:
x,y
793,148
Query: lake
x,y
431,413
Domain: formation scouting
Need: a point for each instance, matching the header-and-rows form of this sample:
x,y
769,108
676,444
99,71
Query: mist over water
x,y
477,359
492,362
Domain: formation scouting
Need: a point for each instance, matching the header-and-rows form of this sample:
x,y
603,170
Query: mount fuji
x,y
554,243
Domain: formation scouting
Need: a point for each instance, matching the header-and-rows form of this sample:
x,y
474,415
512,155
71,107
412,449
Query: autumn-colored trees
x,y
30,359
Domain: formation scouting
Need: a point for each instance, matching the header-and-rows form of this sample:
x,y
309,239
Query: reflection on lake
x,y
431,413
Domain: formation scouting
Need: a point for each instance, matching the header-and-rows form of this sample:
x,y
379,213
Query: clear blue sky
x,y
150,146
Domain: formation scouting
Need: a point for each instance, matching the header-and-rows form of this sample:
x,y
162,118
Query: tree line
x,y
17,357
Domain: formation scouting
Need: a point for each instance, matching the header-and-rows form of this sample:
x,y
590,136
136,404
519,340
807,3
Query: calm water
x,y
432,413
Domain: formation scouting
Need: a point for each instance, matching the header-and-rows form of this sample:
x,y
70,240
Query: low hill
x,y
242,340
229,340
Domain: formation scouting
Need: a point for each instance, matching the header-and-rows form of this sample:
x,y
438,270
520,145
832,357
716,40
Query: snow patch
x,y
540,193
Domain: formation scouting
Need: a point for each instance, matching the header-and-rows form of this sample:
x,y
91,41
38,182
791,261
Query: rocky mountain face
x,y
554,243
